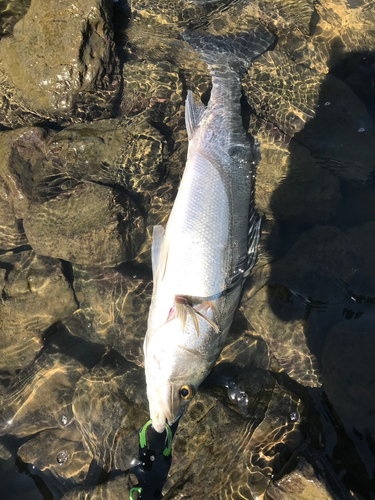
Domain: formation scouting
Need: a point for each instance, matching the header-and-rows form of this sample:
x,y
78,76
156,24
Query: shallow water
x,y
93,144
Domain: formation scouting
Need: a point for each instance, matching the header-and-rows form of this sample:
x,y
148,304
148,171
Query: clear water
x,y
288,412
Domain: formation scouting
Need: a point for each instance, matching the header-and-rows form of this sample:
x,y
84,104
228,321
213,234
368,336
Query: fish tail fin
x,y
234,52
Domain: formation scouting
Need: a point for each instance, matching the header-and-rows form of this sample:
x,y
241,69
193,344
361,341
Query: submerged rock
x,y
342,132
291,185
110,407
282,92
127,152
113,310
156,88
59,451
35,294
90,224
241,446
40,397
300,484
307,280
112,490
58,51
22,152
4,452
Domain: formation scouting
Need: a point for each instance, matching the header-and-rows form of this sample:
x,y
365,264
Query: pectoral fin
x,y
184,307
157,243
159,252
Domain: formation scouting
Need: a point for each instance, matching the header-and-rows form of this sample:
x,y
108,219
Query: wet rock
x,y
110,406
113,310
112,490
58,51
4,452
35,294
240,445
290,101
363,244
291,185
285,312
129,153
156,88
12,234
11,15
160,205
90,224
300,484
21,157
342,132
59,451
243,349
40,397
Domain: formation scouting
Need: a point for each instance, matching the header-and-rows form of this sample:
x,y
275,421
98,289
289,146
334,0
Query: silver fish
x,y
201,259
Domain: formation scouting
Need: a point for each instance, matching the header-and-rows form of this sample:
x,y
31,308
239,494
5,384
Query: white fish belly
x,y
198,232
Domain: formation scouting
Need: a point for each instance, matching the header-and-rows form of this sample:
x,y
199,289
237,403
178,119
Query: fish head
x,y
174,372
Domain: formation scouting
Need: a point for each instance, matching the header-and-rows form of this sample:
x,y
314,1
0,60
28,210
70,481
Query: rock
x,y
243,350
59,451
35,294
5,454
110,407
291,185
235,442
300,484
342,132
156,88
90,224
285,312
12,234
160,206
40,397
22,152
129,153
59,50
290,101
112,490
11,15
113,310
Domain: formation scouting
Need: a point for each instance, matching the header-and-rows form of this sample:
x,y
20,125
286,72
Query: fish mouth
x,y
163,413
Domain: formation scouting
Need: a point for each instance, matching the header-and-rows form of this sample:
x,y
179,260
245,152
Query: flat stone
x,y
128,152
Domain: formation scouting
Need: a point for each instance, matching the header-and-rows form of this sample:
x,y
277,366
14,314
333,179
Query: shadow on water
x,y
321,288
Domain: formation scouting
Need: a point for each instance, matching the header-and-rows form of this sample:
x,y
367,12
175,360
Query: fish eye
x,y
186,392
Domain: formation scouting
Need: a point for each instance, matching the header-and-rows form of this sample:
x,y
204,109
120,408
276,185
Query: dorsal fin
x,y
194,113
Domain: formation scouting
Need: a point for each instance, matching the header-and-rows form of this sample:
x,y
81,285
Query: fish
x,y
202,257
